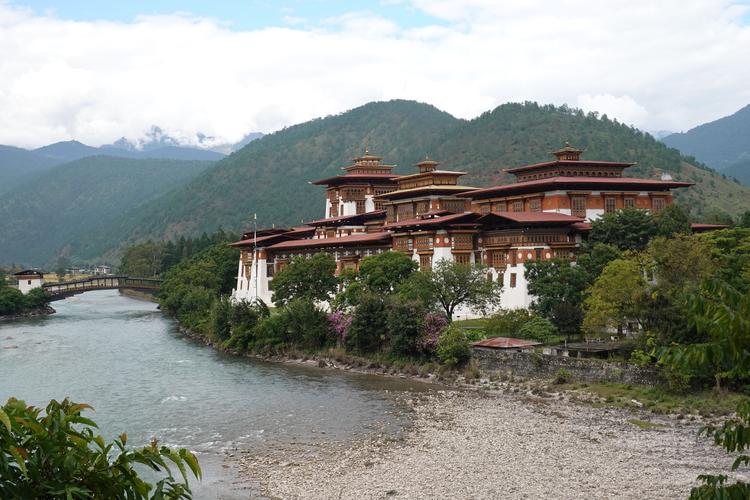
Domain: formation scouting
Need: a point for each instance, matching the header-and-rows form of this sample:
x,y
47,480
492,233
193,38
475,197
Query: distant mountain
x,y
660,134
157,140
740,170
66,151
67,207
270,175
17,164
719,143
231,148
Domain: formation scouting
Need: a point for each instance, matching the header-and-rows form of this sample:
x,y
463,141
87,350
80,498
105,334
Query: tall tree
x,y
451,285
672,220
309,278
383,273
626,229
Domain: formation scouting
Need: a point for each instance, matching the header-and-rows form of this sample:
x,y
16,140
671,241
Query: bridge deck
x,y
57,291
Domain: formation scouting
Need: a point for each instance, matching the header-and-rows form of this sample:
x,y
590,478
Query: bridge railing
x,y
101,282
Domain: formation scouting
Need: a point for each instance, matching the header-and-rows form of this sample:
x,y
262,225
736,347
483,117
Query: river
x,y
127,360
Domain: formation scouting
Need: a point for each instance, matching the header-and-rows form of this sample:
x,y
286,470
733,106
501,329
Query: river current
x,y
130,362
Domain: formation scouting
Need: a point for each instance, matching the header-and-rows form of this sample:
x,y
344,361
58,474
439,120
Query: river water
x,y
127,360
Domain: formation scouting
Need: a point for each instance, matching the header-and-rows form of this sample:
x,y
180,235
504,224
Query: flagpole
x,y
255,251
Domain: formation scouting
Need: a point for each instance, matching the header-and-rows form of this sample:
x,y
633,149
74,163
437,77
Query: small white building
x,y
102,269
28,280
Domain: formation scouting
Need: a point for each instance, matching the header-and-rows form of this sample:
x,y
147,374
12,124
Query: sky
x,y
98,71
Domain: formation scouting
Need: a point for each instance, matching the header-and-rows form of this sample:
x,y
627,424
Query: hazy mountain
x,y
740,170
231,148
719,143
75,202
270,175
17,164
66,151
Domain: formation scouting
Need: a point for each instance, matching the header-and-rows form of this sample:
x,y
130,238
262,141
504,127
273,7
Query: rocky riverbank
x,y
503,443
32,313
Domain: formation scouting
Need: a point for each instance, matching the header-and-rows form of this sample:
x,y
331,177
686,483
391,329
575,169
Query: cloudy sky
x,y
96,71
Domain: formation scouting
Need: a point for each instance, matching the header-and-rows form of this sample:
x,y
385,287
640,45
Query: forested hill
x,y
270,176
720,143
68,208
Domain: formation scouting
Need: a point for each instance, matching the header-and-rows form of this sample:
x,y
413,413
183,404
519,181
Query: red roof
x,y
533,217
295,233
570,163
432,221
354,239
576,182
582,226
338,179
343,218
506,343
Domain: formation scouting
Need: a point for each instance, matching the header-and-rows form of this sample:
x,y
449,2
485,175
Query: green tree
x,y
11,300
616,297
744,220
369,329
453,347
310,278
538,328
57,454
558,289
143,260
384,272
405,326
306,323
61,267
450,285
626,229
672,220
730,249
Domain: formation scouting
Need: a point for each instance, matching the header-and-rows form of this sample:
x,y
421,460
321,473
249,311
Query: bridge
x,y
59,291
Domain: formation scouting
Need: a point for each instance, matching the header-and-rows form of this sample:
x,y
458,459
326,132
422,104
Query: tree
x,y
58,455
310,278
730,249
744,220
558,288
369,329
405,326
453,347
626,229
384,272
61,267
450,285
143,260
616,296
672,220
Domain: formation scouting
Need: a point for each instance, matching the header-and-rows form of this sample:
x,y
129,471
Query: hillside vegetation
x,y
270,176
65,210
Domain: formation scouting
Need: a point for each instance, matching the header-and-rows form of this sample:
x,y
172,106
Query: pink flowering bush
x,y
433,327
339,324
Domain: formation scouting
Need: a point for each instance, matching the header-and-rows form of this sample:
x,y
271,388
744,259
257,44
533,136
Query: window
x,y
405,211
657,204
578,206
379,205
423,207
535,205
390,214
334,209
270,269
484,209
497,259
462,242
512,280
425,262
457,206
518,206
538,253
610,204
462,258
360,206
628,202
499,206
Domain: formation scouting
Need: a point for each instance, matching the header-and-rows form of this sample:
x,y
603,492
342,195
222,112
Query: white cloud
x,y
657,65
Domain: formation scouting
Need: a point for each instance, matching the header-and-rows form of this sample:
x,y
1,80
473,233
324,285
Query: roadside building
x,y
28,280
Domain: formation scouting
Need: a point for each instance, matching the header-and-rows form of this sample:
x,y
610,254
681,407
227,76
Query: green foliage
x,y
722,313
58,454
450,285
144,260
558,288
626,229
306,324
12,301
539,329
453,347
190,288
221,311
405,324
384,272
506,323
616,296
672,220
35,299
308,278
369,328
243,319
61,265
734,437
562,376
730,249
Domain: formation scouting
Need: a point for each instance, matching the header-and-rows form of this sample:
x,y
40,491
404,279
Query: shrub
x,y
221,310
243,318
369,327
306,324
57,455
270,334
11,300
405,324
453,347
507,323
339,323
538,328
562,376
35,299
432,327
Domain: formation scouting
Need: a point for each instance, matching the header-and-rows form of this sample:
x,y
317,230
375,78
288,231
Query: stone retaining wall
x,y
536,365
